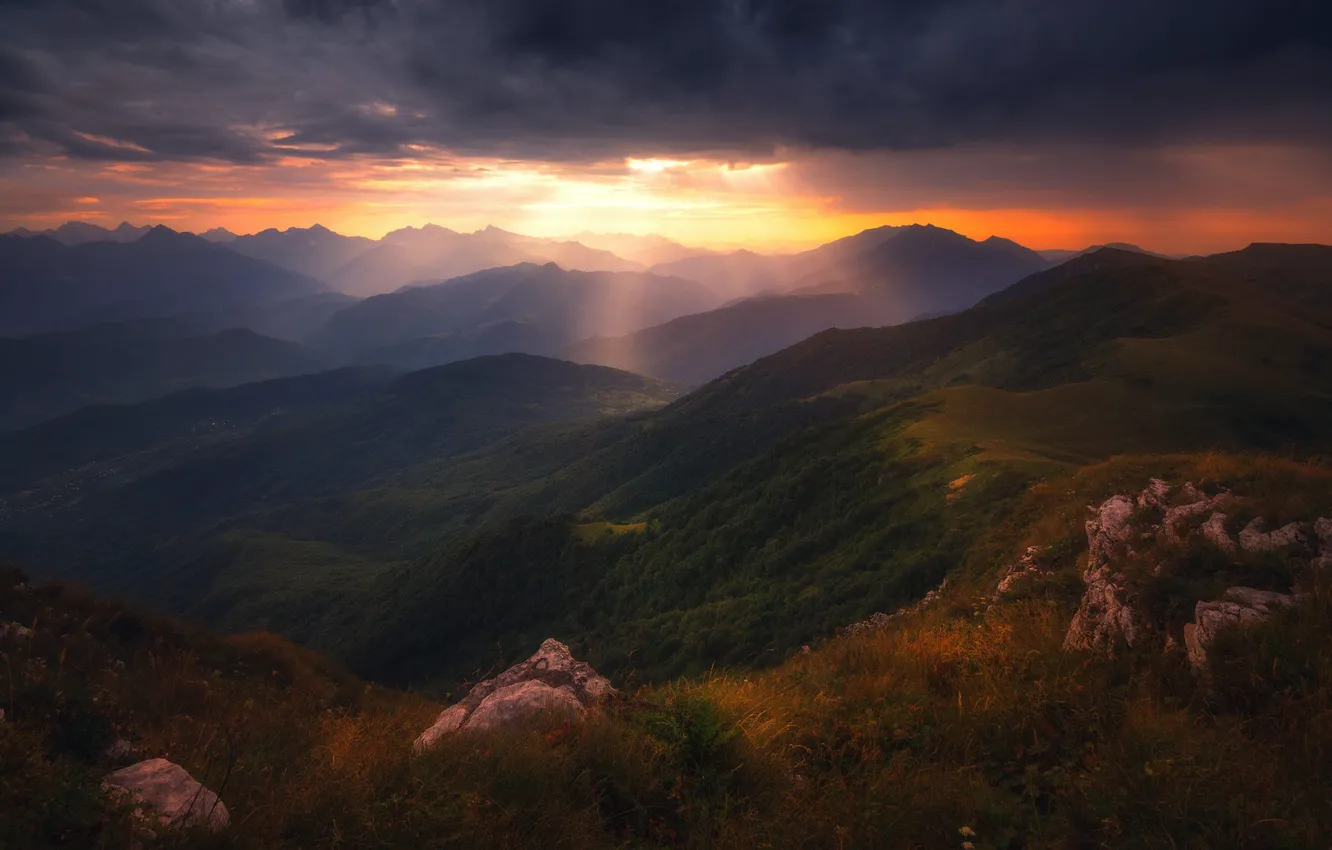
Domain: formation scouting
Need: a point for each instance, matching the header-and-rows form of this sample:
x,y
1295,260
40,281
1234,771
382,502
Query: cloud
x,y
248,81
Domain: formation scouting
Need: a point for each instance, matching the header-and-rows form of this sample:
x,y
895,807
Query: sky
x,y
1184,127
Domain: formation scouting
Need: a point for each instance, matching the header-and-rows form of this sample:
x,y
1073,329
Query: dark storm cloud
x,y
247,80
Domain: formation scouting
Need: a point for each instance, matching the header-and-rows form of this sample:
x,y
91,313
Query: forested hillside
x,y
801,492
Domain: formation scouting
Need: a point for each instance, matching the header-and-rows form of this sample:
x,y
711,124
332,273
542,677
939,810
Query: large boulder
x,y
173,797
551,681
1237,607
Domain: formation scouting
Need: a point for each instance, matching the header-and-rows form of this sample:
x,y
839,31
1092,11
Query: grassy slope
x,y
955,724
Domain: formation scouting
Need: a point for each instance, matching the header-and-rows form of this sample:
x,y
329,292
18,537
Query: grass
x,y
960,723
590,532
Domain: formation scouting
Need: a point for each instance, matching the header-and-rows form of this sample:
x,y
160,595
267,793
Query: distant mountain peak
x,y
218,234
161,235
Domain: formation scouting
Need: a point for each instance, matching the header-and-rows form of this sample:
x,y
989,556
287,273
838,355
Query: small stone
x,y
119,749
15,630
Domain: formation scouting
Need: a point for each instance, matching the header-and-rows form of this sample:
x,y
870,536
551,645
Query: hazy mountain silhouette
x,y
432,253
527,307
885,276
649,250
924,269
315,251
737,274
47,286
82,232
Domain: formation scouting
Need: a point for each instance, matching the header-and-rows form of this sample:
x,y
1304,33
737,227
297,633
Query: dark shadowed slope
x,y
338,431
45,376
140,436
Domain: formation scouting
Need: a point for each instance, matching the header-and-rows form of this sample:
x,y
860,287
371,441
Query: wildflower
x,y
967,832
967,845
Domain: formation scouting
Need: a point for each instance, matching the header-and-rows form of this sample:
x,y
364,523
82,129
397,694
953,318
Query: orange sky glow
x,y
781,204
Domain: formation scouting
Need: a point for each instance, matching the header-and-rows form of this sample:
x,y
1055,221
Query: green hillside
x,y
804,491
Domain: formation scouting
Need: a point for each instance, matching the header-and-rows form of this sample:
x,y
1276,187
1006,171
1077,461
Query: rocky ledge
x,y
551,681
1127,539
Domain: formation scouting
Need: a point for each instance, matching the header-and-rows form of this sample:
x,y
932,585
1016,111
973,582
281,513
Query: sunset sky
x,y
764,123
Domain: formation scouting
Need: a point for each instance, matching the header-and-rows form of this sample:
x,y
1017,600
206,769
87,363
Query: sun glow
x,y
784,204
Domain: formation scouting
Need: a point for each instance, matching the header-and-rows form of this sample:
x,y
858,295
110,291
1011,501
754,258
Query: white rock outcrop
x,y
1238,606
551,681
1106,612
173,796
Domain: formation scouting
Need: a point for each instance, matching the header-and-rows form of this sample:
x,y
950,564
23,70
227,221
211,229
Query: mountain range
x,y
49,286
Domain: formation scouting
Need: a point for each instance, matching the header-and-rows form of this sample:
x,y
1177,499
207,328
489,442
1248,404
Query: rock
x,y
1238,606
1106,612
1155,495
15,630
119,749
1214,531
551,680
1108,530
512,704
172,794
1323,531
1179,514
1024,568
1253,539
879,620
